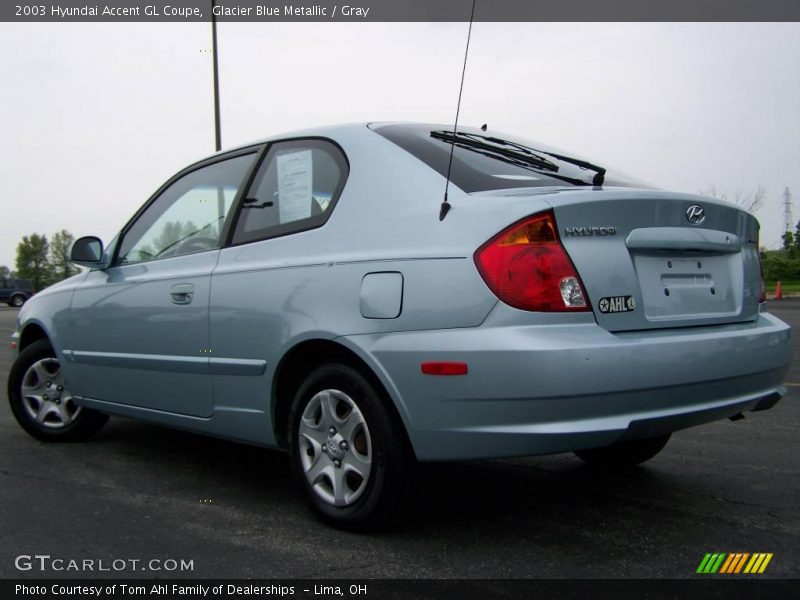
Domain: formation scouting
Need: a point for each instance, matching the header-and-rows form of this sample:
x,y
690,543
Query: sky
x,y
97,115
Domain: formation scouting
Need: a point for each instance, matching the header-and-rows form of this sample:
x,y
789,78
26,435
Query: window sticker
x,y
294,186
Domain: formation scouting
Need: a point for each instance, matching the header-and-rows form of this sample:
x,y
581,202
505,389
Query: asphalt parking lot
x,y
139,491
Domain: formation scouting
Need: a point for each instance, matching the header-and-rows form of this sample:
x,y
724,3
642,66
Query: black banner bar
x,y
398,10
708,588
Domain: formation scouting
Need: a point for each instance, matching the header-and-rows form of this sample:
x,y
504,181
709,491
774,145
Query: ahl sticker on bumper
x,y
616,304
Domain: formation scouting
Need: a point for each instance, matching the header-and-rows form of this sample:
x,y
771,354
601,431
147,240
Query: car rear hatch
x,y
657,260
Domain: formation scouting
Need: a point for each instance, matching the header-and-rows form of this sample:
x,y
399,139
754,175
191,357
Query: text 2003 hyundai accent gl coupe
x,y
304,293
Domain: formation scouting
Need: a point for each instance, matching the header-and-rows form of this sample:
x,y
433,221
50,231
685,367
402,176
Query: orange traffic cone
x,y
778,291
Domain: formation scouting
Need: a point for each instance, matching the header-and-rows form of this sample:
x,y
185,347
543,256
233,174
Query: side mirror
x,y
87,252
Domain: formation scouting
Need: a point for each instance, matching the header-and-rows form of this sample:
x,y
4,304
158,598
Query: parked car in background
x,y
312,292
15,292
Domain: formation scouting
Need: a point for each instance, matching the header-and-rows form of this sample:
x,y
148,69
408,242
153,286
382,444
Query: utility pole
x,y
788,209
217,130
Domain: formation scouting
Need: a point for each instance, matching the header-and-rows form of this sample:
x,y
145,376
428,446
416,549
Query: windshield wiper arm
x,y
524,165
522,152
470,141
599,172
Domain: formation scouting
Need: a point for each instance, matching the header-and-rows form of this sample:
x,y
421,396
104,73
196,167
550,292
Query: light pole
x,y
217,132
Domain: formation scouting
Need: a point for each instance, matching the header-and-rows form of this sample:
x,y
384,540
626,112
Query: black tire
x,y
624,455
17,300
375,501
62,420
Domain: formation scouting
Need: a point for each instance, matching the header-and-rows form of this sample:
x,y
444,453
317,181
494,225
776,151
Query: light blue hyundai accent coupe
x,y
314,292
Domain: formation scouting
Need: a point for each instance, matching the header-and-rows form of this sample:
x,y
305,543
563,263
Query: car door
x,y
138,330
5,293
259,276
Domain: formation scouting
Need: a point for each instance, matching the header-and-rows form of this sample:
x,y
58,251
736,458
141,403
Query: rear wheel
x,y
624,454
348,449
41,401
17,300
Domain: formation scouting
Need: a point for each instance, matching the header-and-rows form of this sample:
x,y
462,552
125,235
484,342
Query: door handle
x,y
182,293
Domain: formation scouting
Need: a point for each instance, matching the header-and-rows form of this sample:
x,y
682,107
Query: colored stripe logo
x,y
734,563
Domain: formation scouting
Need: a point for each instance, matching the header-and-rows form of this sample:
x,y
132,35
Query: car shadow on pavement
x,y
196,464
487,494
483,491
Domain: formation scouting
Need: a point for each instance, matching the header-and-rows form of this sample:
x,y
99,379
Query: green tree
x,y
778,266
32,260
788,240
60,266
795,249
4,272
172,233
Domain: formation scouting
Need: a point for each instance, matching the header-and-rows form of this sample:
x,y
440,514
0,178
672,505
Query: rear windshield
x,y
491,161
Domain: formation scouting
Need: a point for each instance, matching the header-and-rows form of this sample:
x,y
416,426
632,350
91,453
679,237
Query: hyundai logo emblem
x,y
695,214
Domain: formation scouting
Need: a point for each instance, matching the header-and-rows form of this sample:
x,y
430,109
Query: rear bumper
x,y
546,389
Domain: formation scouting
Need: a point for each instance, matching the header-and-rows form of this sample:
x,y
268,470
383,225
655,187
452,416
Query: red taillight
x,y
527,267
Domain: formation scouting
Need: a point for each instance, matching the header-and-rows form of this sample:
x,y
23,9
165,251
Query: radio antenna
x,y
443,210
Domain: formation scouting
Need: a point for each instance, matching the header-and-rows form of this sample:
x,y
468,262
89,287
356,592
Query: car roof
x,y
329,131
337,131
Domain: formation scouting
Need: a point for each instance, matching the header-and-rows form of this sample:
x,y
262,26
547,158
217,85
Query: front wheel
x,y
348,449
41,401
624,455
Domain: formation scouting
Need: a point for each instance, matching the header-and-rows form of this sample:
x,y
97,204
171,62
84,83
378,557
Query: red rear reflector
x,y
527,267
13,345
444,368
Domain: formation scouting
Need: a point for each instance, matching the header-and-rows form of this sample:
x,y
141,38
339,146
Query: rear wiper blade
x,y
524,164
599,172
516,151
523,152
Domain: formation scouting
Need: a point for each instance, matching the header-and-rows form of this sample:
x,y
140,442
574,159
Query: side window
x,y
295,189
188,216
